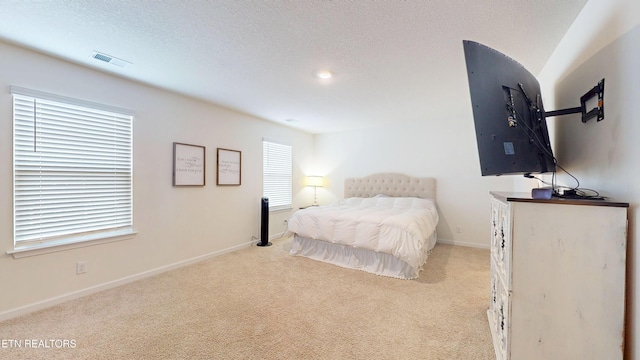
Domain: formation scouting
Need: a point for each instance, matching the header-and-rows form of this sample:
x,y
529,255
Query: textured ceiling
x,y
393,60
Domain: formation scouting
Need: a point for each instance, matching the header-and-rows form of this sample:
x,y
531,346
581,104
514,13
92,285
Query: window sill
x,y
281,209
70,243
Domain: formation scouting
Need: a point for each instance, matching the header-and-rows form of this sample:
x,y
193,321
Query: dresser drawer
x,y
501,240
499,313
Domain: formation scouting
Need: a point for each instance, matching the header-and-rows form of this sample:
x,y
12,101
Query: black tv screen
x,y
511,130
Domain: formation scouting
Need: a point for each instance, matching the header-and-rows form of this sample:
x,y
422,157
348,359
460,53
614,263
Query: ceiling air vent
x,y
110,59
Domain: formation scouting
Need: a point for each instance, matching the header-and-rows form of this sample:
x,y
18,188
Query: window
x,y
276,175
72,170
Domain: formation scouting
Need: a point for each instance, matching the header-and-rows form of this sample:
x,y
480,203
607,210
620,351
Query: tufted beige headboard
x,y
390,184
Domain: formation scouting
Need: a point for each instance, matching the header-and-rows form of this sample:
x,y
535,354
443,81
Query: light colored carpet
x,y
262,303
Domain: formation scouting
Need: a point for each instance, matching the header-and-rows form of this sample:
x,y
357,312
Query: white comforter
x,y
393,225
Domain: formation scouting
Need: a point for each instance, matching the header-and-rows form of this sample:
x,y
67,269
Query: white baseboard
x,y
23,310
277,236
463,243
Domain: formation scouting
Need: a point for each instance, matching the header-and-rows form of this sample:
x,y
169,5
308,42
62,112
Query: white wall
x,y
441,148
603,42
173,224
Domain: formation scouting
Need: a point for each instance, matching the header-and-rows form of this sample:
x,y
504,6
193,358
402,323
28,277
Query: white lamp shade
x,y
315,181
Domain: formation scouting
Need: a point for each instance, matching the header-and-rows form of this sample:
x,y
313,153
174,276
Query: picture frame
x,y
229,167
189,165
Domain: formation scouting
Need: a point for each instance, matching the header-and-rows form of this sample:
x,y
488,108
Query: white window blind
x,y
276,183
72,170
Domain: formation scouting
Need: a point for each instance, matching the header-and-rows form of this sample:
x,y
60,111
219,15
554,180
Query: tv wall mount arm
x,y
597,112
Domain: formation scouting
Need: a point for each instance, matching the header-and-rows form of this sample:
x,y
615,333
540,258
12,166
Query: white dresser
x,y
557,278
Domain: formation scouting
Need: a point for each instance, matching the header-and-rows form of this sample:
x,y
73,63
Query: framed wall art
x,y
229,167
188,165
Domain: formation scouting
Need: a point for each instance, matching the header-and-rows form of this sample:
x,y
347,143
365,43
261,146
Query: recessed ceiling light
x,y
324,74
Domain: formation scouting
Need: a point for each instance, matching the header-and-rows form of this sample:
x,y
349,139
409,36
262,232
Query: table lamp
x,y
316,182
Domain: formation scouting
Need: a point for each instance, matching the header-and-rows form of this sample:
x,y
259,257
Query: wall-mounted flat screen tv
x,y
510,125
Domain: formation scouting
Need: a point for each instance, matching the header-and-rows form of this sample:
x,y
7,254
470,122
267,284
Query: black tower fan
x,y
264,226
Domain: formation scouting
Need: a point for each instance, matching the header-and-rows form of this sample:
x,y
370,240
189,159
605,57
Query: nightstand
x,y
308,206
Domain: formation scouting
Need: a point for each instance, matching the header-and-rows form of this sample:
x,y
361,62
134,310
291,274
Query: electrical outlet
x,y
459,229
81,267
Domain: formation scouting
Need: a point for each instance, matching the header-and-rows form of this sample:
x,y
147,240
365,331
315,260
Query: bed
x,y
385,225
